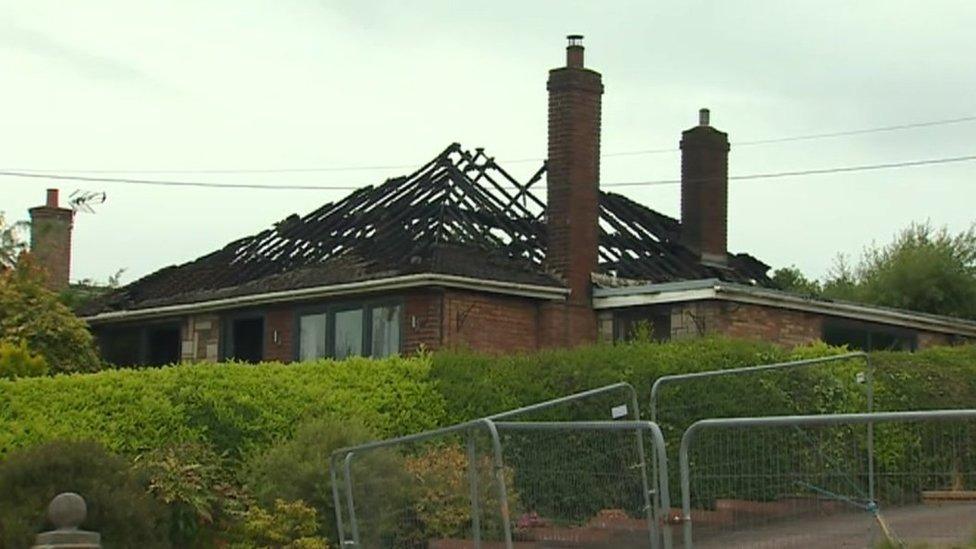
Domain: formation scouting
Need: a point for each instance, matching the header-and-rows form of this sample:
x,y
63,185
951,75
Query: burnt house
x,y
460,253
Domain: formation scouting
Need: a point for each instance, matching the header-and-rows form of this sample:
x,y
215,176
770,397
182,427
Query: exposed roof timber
x,y
714,289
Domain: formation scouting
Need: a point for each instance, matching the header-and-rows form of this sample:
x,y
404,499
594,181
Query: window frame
x,y
226,339
330,310
870,331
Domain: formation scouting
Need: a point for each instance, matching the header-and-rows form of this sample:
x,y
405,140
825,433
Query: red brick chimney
x,y
573,177
705,190
51,240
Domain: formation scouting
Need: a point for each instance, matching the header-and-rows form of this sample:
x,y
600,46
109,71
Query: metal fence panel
x,y
804,481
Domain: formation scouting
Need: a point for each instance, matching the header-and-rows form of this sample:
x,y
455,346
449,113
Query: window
x,y
862,336
162,345
245,342
343,331
385,332
312,336
152,345
348,333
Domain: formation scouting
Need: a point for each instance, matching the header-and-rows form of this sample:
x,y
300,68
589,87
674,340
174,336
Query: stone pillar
x,y
67,511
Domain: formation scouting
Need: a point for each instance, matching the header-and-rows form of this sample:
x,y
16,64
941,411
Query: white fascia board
x,y
781,300
335,290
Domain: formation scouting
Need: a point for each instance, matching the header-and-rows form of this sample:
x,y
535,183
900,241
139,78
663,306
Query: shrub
x,y
298,469
289,525
196,486
118,506
441,504
16,360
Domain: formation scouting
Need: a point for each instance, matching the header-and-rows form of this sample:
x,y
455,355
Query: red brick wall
x,y
490,322
279,328
422,326
784,327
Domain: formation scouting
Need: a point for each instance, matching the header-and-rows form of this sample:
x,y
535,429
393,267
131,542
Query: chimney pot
x,y
703,117
52,198
574,51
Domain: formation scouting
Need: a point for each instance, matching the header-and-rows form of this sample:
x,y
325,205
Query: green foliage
x,y
923,269
297,470
235,407
12,242
16,360
440,502
289,525
197,488
30,312
791,279
118,506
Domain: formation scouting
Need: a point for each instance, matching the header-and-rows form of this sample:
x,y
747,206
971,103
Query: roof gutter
x,y
712,289
335,290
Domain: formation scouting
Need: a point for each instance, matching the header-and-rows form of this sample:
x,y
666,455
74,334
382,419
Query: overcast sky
x,y
208,84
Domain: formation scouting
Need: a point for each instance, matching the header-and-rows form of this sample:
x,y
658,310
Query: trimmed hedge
x,y
235,407
239,408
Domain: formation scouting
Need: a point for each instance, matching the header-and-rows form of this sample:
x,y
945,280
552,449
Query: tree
x,y
32,314
923,269
11,242
791,279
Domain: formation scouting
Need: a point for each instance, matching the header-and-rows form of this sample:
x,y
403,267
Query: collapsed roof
x,y
460,214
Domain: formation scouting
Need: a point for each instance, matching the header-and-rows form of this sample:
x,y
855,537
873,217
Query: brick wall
x,y
489,322
422,313
279,328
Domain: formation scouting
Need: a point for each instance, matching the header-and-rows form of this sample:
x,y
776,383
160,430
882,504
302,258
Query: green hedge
x,y
236,407
240,407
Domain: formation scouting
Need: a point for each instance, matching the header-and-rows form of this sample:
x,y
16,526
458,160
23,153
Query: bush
x,y
16,360
118,506
441,504
237,408
290,525
298,469
31,313
198,489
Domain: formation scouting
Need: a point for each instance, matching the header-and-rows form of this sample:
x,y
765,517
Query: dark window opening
x,y
121,346
861,336
246,339
642,324
163,345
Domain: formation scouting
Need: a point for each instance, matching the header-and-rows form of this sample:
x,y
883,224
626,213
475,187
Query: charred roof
x,y
459,214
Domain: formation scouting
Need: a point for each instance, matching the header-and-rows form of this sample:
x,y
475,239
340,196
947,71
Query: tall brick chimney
x,y
51,240
705,190
573,177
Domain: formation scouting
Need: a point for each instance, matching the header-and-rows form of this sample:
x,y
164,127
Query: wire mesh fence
x,y
550,477
804,481
444,488
584,484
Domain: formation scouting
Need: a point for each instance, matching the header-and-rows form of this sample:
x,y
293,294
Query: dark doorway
x,y
247,339
163,345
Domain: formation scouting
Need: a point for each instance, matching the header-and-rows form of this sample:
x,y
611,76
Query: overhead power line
x,y
806,137
770,175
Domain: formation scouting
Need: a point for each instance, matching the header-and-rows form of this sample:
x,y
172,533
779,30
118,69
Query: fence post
x,y
473,486
67,511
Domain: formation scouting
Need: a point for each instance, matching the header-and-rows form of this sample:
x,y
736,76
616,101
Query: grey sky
x,y
295,84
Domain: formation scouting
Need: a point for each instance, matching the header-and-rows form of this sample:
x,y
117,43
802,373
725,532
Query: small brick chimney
x,y
573,177
705,190
51,240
